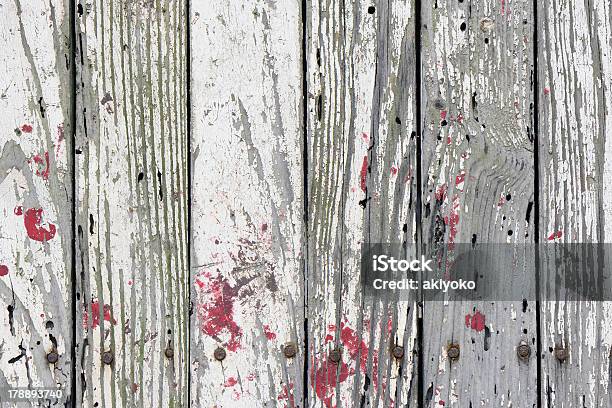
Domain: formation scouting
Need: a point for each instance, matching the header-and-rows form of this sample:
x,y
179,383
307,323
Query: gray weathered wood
x,y
36,193
131,159
478,187
361,173
248,203
575,83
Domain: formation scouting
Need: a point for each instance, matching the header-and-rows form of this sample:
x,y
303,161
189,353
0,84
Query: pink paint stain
x,y
328,374
502,200
364,172
60,138
287,394
4,270
393,170
40,161
452,221
269,335
555,235
441,193
460,179
503,7
32,220
26,128
460,118
443,115
365,137
475,321
215,310
230,382
546,90
95,315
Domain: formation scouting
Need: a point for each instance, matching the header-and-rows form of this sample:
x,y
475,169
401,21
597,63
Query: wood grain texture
x,y
361,173
131,155
248,203
36,194
575,81
478,187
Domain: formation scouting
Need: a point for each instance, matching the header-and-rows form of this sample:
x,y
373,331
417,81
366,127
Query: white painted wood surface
x,y
575,81
247,204
478,187
35,191
361,175
131,160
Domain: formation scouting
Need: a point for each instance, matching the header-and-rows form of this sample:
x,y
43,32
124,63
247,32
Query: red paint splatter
x,y
546,90
4,270
441,193
216,316
264,227
442,403
556,234
364,172
95,314
393,170
452,221
130,282
32,220
230,382
328,374
269,334
460,178
60,138
502,200
460,118
475,321
18,210
26,128
287,394
40,161
449,140
503,7
443,115
134,388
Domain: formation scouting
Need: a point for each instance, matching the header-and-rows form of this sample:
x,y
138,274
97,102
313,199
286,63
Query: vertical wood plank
x,y
361,173
131,157
36,191
575,82
248,203
478,187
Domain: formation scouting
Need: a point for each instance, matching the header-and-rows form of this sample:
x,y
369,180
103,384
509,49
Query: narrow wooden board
x,y
361,179
575,140
478,187
131,155
36,191
248,204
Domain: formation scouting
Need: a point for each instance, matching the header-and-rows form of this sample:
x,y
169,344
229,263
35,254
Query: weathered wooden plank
x,y
575,81
478,187
36,191
131,160
247,215
361,172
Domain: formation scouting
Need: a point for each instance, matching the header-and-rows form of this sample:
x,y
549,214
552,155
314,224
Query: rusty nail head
x,y
169,352
107,357
398,352
523,350
52,357
290,349
560,353
335,356
453,351
220,354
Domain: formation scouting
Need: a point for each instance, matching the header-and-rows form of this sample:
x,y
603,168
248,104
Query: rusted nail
x,y
107,358
335,356
560,353
290,349
486,25
398,352
439,104
220,354
169,352
523,350
453,351
52,357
